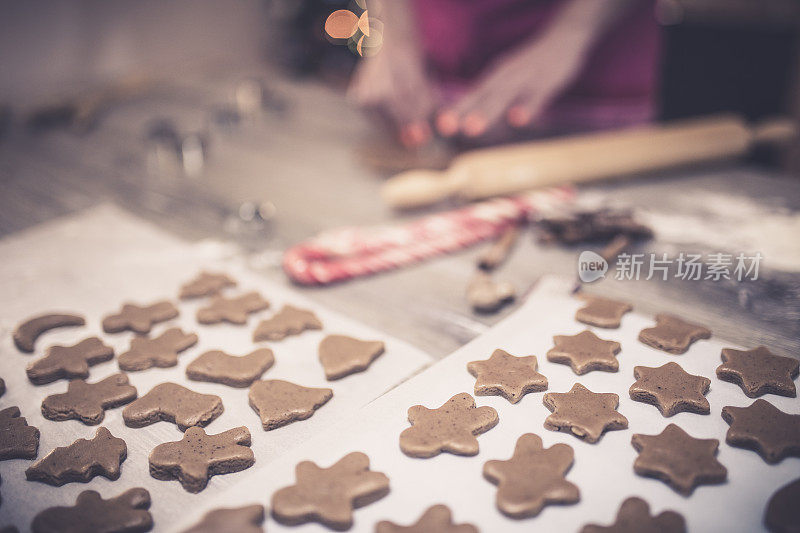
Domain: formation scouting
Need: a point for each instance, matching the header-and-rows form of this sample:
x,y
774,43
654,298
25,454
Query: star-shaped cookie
x,y
532,478
759,371
678,459
329,495
583,413
584,352
672,334
437,518
601,312
506,375
671,389
450,428
634,517
765,429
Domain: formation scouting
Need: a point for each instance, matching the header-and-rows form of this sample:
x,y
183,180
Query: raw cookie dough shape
x,y
486,295
584,352
678,459
634,517
198,456
234,310
437,518
765,429
290,320
782,514
532,478
247,519
138,318
672,334
759,371
341,355
69,362
671,389
81,461
159,352
235,371
506,375
453,428
126,512
173,403
601,312
18,440
87,402
206,284
329,495
27,332
279,402
582,413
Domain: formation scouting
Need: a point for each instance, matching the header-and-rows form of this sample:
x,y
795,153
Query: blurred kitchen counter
x,y
298,163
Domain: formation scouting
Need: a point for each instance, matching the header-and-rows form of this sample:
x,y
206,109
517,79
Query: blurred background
x,y
260,123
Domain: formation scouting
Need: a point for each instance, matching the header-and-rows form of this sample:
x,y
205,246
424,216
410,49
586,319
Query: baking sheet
x,y
603,471
91,263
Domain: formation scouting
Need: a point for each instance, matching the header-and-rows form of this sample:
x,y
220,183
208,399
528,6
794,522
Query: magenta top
x,y
616,87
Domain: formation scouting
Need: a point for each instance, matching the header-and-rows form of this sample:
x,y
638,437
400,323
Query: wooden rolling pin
x,y
582,158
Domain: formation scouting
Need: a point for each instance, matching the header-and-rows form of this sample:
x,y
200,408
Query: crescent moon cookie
x,y
506,375
672,334
759,371
450,428
583,413
139,319
28,331
329,495
532,478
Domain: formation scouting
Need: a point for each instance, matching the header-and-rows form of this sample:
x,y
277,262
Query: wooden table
x,y
305,162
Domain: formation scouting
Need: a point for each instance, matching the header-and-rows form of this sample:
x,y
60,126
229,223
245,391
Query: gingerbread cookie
x,y
235,371
671,389
234,310
18,440
506,375
532,478
279,403
759,371
173,403
27,332
247,519
125,513
160,352
583,413
69,362
329,495
198,456
486,295
341,356
437,518
87,402
678,459
634,517
206,284
584,352
782,514
672,334
139,319
289,320
450,428
765,429
601,312
81,461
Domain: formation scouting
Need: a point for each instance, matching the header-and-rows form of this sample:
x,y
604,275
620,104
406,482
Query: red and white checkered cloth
x,y
347,253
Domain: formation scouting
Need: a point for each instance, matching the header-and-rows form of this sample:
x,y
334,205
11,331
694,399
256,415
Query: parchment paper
x,y
91,264
603,471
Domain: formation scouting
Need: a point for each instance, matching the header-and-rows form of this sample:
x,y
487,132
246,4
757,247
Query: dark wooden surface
x,y
305,160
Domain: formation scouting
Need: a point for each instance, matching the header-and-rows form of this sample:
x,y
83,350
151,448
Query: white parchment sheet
x,y
603,471
93,262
